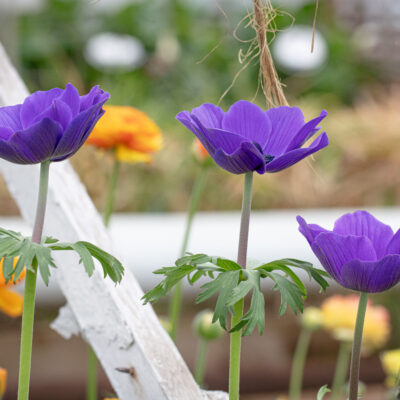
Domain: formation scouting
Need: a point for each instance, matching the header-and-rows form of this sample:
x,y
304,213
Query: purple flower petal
x,y
248,120
306,132
33,145
57,111
333,251
95,95
309,231
10,117
393,246
209,115
76,133
71,98
362,223
372,276
294,156
286,122
36,103
246,158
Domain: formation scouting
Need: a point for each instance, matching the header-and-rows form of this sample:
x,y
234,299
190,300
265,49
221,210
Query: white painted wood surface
x,y
111,318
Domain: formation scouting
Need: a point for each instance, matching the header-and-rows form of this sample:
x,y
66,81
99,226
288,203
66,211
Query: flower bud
x,y
166,324
312,318
205,328
3,381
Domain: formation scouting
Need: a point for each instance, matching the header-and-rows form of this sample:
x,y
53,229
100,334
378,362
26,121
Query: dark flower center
x,y
267,157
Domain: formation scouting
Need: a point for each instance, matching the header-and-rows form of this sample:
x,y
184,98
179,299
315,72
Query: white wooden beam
x,y
111,318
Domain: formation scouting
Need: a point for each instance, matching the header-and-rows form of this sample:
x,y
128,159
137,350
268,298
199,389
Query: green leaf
x,y
193,259
276,266
44,261
111,266
224,284
291,294
322,392
228,265
8,266
50,240
172,276
255,316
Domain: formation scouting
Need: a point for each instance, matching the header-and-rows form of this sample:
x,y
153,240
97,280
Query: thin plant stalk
x,y
201,362
28,313
341,370
92,384
236,337
356,351
176,300
112,186
299,359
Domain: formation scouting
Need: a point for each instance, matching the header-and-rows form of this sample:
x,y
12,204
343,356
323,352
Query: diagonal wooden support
x,y
112,319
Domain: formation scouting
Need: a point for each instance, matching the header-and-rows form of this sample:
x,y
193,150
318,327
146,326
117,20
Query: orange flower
x,y
199,150
10,302
3,381
129,132
339,317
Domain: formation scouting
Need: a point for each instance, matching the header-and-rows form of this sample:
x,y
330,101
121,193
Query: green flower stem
x,y
28,312
112,185
176,301
342,367
300,355
356,351
91,389
201,362
236,337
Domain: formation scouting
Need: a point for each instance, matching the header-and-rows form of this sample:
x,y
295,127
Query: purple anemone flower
x,y
50,125
361,253
246,138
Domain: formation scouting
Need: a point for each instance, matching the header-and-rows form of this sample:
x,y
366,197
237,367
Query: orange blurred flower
x,y
199,150
339,317
3,381
129,132
10,302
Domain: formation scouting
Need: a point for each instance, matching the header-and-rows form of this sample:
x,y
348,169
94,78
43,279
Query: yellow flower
x,y
10,302
339,317
3,381
129,132
391,365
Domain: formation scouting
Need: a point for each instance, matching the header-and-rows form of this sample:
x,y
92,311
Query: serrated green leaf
x,y
111,266
313,273
291,294
172,276
24,260
85,257
322,392
273,266
196,276
224,284
44,261
8,267
50,240
192,259
227,265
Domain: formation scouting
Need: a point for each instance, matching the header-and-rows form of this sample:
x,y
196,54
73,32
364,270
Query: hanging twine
x,y
272,86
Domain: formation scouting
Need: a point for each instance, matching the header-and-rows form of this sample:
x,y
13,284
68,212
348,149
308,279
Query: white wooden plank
x,y
122,331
